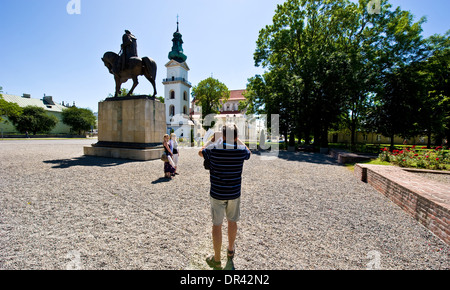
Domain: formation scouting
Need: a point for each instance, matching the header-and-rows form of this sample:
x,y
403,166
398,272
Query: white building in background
x,y
249,126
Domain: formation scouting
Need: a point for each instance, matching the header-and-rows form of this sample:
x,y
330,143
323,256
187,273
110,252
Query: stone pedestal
x,y
130,128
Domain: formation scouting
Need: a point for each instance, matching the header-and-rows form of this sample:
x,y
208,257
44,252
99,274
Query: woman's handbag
x,y
164,157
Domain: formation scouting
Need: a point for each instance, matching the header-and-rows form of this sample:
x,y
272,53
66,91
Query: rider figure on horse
x,y
129,49
127,65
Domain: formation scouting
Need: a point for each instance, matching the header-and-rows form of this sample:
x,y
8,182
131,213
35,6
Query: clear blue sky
x,y
47,51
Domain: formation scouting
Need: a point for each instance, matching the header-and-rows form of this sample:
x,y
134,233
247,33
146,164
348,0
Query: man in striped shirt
x,y
226,160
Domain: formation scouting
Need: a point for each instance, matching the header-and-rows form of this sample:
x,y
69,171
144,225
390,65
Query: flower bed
x,y
413,157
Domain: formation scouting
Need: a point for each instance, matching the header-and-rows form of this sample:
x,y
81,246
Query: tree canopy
x,y
8,109
79,119
35,120
331,63
209,94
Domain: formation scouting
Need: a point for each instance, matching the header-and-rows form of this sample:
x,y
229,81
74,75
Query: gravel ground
x,y
60,210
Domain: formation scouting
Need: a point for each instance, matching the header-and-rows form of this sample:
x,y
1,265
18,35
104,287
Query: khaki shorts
x,y
232,208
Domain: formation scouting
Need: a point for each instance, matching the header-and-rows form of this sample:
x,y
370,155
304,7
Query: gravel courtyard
x,y
60,210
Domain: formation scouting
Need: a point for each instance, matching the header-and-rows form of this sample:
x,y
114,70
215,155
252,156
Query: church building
x,y
177,90
229,113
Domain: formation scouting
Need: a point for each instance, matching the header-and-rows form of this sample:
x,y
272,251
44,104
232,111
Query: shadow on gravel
x,y
89,161
307,157
161,180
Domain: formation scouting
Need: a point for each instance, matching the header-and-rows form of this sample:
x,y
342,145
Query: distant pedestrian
x,y
225,156
169,169
26,135
175,150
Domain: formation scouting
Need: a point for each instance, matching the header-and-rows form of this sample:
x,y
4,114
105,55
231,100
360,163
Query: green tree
x,y
435,111
79,119
161,99
210,94
399,89
397,105
35,120
123,93
302,47
411,96
359,45
8,109
331,58
269,94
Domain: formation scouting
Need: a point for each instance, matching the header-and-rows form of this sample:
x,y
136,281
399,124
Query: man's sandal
x,y
230,263
213,264
230,254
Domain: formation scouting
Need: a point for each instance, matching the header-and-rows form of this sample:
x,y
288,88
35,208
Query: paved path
x,y
59,209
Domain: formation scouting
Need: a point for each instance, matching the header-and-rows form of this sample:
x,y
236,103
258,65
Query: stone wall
x,y
345,157
428,201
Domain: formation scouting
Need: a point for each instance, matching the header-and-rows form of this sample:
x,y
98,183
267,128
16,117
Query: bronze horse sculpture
x,y
136,67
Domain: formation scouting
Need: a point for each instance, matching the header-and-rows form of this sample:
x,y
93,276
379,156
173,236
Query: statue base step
x,y
124,153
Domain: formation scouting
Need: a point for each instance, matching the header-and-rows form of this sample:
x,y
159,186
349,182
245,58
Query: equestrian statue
x,y
127,65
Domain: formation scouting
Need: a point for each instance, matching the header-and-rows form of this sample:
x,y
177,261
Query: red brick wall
x,y
433,214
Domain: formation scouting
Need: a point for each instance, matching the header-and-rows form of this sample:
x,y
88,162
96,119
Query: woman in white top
x,y
175,150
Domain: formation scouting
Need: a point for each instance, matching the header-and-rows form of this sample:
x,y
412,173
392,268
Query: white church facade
x,y
183,117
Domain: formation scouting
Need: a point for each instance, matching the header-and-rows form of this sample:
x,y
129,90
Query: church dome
x,y
177,53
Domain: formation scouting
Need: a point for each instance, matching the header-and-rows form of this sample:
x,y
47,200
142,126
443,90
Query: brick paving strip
x,y
427,200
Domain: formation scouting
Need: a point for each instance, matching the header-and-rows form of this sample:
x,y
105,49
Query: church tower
x,y
177,88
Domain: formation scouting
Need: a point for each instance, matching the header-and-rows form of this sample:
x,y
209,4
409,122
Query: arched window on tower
x,y
172,111
185,110
172,95
185,96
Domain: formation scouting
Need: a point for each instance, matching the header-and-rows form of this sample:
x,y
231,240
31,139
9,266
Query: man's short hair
x,y
230,130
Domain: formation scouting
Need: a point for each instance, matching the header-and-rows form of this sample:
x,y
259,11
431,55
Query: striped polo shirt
x,y
226,169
